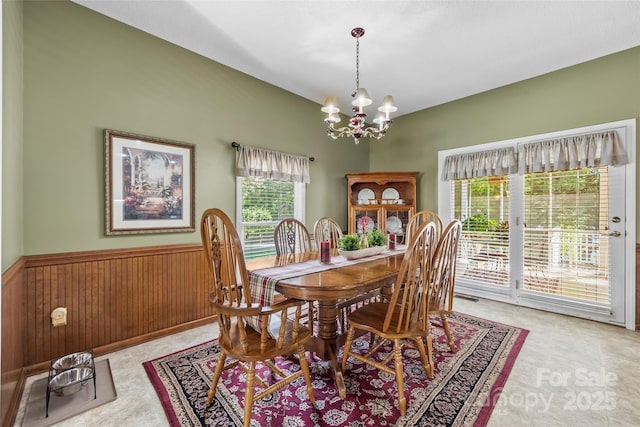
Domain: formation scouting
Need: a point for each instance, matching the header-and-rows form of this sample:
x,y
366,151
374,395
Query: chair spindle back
x,y
225,258
291,236
409,301
420,217
443,270
327,228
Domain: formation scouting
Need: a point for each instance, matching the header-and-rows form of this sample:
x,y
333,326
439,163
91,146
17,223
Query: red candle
x,y
392,241
325,252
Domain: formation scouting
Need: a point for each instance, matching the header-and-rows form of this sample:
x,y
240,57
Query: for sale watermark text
x,y
580,389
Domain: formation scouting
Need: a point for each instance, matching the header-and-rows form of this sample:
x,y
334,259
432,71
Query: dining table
x,y
331,286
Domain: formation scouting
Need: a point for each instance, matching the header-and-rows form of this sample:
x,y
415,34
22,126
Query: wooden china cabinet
x,y
385,199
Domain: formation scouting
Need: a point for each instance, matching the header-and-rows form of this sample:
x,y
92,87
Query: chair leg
x,y
430,355
397,352
311,316
216,376
447,331
426,363
342,316
347,348
307,375
248,394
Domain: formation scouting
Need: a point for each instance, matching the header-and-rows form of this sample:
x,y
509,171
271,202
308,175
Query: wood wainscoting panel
x,y
13,335
111,297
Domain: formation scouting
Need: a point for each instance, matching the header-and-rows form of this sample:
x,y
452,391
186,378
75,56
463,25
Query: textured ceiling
x,y
424,53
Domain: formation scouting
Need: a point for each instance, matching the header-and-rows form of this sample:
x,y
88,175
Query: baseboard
x,y
121,345
12,411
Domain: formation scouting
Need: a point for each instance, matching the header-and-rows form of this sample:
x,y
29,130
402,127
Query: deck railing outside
x,y
563,262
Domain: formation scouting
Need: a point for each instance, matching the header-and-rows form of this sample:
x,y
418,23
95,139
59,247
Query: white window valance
x,y
580,151
252,161
483,163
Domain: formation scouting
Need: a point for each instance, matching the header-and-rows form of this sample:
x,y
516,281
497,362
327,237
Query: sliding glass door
x,y
549,245
572,240
555,233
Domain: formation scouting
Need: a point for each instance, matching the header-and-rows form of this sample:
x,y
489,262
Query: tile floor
x,y
570,372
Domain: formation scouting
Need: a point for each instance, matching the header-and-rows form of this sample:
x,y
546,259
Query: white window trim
x,y
299,211
630,193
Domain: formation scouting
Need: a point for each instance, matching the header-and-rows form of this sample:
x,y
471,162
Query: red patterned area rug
x,y
463,392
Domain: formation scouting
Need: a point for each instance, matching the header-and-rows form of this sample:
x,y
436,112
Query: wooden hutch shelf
x,y
388,199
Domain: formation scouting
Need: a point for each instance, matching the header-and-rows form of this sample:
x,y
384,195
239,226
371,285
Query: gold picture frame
x,y
149,184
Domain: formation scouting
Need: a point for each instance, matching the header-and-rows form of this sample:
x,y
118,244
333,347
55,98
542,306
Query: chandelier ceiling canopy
x,y
358,127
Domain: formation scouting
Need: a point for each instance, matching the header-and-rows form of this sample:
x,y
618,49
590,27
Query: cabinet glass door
x,y
396,222
366,219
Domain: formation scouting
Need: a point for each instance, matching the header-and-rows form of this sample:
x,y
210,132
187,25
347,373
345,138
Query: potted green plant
x,y
376,238
350,245
349,242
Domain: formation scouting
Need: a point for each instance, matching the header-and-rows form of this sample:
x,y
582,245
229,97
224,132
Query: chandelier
x,y
358,127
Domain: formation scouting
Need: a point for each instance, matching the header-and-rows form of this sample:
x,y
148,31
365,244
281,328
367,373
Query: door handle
x,y
614,234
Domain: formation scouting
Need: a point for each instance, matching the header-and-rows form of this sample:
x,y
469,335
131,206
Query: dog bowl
x,y
70,381
72,360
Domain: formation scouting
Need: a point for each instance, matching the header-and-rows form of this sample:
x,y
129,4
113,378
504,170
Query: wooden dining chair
x,y
420,217
443,273
291,236
232,302
403,317
327,229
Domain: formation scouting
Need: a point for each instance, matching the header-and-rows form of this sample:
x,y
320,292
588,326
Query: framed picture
x,y
149,184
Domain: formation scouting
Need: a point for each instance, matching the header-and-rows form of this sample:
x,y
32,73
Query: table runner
x,y
262,282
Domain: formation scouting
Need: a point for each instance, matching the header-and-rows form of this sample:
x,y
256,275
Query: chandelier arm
x,y
374,129
341,131
377,136
365,132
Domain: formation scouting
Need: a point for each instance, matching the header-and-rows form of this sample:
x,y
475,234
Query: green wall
x,y
599,91
84,72
12,187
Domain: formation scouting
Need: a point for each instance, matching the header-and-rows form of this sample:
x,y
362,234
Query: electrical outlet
x,y
59,316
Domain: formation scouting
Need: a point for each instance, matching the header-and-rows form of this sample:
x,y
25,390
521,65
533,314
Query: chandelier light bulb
x,y
361,98
380,120
388,106
330,105
332,118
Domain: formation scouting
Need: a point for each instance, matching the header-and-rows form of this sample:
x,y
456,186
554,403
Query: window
x,y
262,204
270,186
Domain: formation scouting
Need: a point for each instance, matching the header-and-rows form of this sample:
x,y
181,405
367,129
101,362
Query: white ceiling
x,y
424,53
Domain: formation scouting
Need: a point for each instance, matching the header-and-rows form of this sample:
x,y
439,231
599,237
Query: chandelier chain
x,y
357,64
